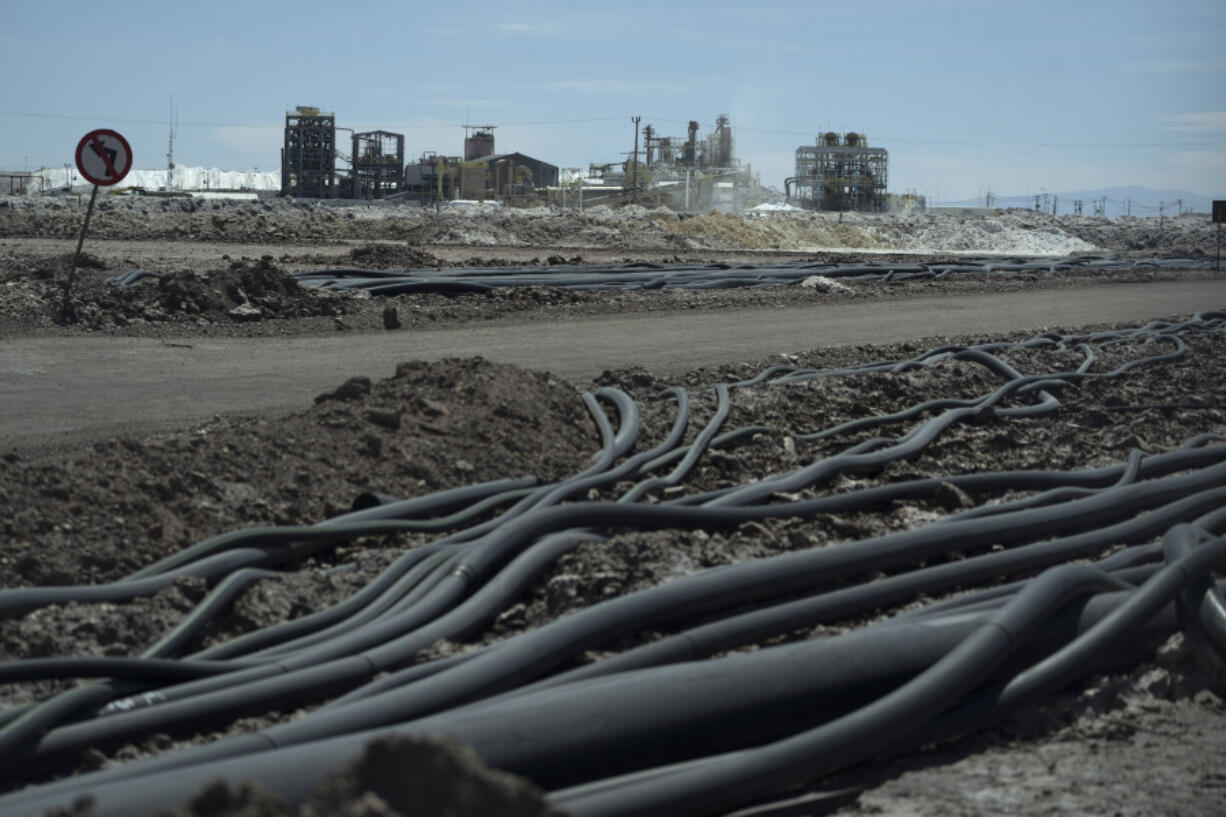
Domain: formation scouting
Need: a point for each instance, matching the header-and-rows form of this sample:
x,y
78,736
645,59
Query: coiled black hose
x,y
538,651
448,587
743,776
479,280
291,772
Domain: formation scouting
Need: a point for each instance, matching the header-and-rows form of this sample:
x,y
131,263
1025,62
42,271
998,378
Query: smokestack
x,y
723,133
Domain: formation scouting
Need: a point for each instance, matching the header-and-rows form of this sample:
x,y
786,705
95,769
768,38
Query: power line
x,y
118,121
565,121
966,143
803,134
160,122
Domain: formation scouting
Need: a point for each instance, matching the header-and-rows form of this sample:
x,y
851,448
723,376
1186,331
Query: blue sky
x,y
967,95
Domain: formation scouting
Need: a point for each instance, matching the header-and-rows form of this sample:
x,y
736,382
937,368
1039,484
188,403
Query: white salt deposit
x,y
769,207
823,284
1009,234
184,178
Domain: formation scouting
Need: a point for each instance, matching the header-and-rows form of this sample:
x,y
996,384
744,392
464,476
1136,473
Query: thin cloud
x,y
1208,163
1177,65
249,138
1202,122
753,45
478,104
532,29
1200,171
617,86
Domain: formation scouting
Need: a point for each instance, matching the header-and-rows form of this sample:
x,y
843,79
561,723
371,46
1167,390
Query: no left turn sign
x,y
103,157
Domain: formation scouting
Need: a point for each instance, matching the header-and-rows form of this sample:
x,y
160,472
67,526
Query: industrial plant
x,y
839,172
376,166
308,160
687,173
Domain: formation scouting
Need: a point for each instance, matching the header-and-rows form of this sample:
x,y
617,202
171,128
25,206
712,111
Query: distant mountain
x,y
1137,201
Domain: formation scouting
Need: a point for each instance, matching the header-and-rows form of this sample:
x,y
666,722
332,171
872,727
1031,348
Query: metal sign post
x,y
89,211
104,157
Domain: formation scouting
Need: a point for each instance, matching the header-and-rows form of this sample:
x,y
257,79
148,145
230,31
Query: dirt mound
x,y
1189,236
103,512
392,256
632,227
1019,232
245,291
33,295
788,232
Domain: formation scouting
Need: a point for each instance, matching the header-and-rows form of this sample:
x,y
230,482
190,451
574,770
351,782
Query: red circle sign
x,y
104,157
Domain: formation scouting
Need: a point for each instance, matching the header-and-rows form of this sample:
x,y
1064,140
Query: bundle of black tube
x,y
664,728
646,275
641,275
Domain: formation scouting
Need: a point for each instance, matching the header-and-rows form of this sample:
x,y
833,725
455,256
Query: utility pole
x,y
1055,203
648,136
634,184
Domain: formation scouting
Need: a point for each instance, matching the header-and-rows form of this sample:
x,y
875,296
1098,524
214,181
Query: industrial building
x,y
16,182
839,173
433,178
378,164
308,159
481,175
514,175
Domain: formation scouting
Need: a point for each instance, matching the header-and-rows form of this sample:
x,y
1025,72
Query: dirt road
x,y
60,390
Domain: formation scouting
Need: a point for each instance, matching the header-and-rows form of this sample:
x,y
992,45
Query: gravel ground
x,y
226,262
1145,741
99,513
255,296
276,221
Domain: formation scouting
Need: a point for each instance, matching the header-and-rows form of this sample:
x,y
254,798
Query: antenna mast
x,y
170,149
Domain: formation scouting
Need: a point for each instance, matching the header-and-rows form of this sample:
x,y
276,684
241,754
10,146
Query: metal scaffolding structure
x,y
840,173
378,164
308,159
